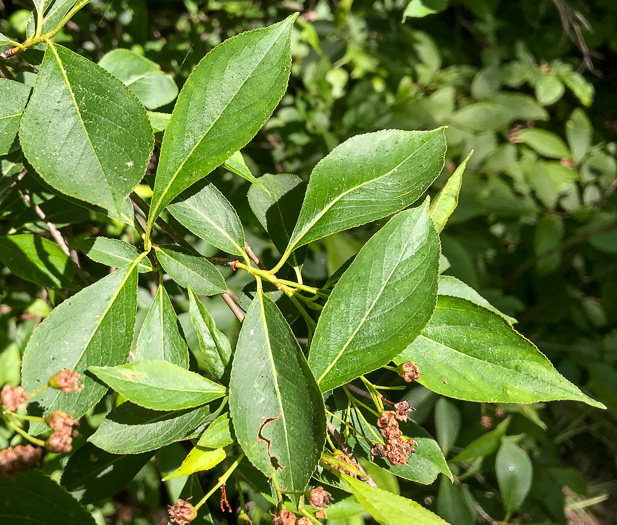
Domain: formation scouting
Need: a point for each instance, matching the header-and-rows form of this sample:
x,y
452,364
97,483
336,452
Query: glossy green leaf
x,y
276,406
447,423
229,96
390,509
218,434
206,212
236,165
191,271
33,498
159,385
153,87
112,252
92,328
131,429
214,345
66,128
579,132
13,99
92,474
484,445
546,143
449,285
366,178
468,352
159,337
446,200
381,303
514,474
198,460
38,260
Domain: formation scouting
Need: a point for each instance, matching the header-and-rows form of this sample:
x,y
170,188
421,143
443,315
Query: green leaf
x,y
13,99
582,89
484,445
198,460
549,89
54,14
422,8
4,40
468,352
159,385
456,504
390,509
276,207
92,328
66,128
447,423
37,260
229,96
544,142
389,169
131,429
159,121
159,337
218,434
547,237
514,474
112,252
393,276
579,132
92,474
142,76
276,407
206,212
191,271
447,199
34,498
449,285
236,165
214,345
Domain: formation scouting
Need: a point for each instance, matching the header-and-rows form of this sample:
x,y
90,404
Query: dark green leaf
x,y
142,76
514,474
230,95
381,303
214,345
92,474
66,128
112,252
456,504
191,271
447,423
468,352
276,406
92,328
484,445
38,260
13,99
159,337
206,212
131,429
366,178
32,498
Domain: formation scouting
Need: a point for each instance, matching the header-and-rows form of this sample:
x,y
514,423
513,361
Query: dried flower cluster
x,y
409,371
285,517
13,398
62,438
320,498
67,381
19,459
398,447
182,512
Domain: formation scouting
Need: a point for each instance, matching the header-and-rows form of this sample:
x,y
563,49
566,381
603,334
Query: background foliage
x,y
527,85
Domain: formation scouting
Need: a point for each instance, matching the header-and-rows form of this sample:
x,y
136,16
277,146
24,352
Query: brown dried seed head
x,y
378,451
387,419
320,498
61,421
396,452
409,371
13,398
67,380
182,512
285,517
402,410
60,441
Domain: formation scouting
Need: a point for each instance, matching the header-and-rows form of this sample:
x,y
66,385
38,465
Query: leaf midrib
x,y
12,116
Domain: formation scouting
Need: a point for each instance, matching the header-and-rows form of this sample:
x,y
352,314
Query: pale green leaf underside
x,y
131,429
92,328
159,385
381,303
198,460
112,252
66,132
468,352
206,212
366,178
13,99
228,97
276,407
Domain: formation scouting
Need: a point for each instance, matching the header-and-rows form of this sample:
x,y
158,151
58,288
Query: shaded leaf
x,y
66,128
579,133
484,445
456,504
112,252
447,423
546,143
276,406
514,474
381,303
228,97
13,99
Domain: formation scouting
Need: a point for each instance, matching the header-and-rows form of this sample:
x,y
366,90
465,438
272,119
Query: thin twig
x,y
485,515
347,449
233,306
254,258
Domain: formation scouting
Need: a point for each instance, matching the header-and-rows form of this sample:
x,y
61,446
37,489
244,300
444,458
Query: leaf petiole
x,y
23,433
